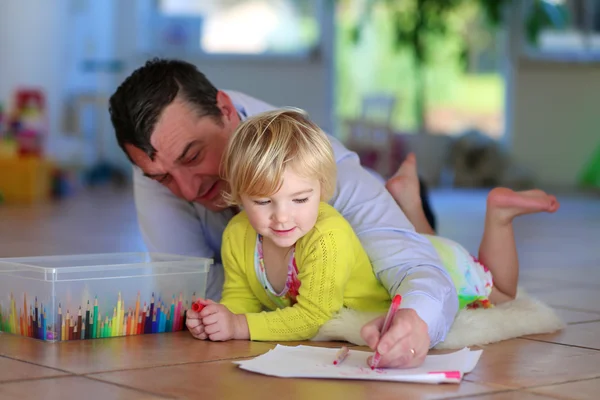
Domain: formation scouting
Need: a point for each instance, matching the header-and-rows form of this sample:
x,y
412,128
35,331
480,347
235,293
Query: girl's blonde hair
x,y
265,144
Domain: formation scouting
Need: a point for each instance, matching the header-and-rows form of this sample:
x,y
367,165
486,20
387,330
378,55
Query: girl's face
x,y
287,215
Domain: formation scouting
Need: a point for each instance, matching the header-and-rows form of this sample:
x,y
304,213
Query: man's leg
x,y
424,192
407,189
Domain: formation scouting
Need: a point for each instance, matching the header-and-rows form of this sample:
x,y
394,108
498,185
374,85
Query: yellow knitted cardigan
x,y
333,268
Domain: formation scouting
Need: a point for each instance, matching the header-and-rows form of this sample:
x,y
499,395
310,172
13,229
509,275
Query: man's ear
x,y
226,106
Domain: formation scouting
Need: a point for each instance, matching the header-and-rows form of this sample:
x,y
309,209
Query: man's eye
x,y
164,179
194,158
304,200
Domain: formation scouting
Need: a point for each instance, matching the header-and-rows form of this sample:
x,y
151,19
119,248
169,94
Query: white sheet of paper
x,y
317,362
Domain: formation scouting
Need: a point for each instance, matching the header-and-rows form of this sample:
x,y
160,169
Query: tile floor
x,y
560,256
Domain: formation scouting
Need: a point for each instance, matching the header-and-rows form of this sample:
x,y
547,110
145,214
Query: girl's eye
x,y
261,202
301,200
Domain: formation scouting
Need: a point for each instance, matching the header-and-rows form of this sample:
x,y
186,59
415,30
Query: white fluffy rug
x,y
523,316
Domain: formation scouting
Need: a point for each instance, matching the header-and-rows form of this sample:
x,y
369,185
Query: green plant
x,y
417,23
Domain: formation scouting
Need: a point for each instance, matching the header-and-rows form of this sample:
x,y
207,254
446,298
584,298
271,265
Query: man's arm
x,y
404,261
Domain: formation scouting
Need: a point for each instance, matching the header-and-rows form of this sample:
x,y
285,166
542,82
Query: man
x,y
173,124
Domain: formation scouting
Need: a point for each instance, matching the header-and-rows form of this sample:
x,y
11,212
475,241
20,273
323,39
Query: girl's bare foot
x,y
505,204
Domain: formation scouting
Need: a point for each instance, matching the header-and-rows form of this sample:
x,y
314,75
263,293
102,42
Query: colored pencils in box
x,y
151,313
76,333
137,313
153,323
59,323
44,323
113,323
98,333
87,321
35,319
83,331
142,321
79,322
71,328
184,314
97,320
25,316
107,328
118,315
148,321
121,321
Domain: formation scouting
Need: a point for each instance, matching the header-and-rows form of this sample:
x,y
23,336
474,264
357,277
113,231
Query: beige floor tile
x,y
126,353
573,317
585,335
227,379
522,363
514,395
11,370
589,389
582,299
583,274
76,388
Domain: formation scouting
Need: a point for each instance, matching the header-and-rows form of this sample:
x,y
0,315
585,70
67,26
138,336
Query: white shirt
x,y
404,261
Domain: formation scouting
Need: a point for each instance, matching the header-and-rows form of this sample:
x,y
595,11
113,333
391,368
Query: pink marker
x,y
386,326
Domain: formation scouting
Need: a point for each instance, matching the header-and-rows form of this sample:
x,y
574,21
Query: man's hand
x,y
407,332
220,324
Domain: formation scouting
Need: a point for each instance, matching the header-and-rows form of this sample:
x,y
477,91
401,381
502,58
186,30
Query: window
x,y
571,29
234,27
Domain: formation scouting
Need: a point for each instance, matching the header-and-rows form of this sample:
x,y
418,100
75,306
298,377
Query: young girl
x,y
292,261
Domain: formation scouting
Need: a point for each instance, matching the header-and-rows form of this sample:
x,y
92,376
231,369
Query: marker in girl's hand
x,y
197,306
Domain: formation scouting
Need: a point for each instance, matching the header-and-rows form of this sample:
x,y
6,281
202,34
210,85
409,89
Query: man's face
x,y
189,151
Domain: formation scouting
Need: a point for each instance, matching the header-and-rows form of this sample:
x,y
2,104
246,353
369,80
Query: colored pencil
x,y
97,319
26,316
79,322
137,311
98,329
151,313
35,319
59,323
82,333
107,327
87,321
44,324
184,315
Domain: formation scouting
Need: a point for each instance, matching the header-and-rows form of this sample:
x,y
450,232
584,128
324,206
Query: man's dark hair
x,y
139,101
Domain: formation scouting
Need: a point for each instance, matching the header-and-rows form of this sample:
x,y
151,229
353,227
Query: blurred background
x,y
485,92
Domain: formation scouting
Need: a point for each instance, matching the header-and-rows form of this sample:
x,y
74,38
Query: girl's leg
x,y
498,250
404,188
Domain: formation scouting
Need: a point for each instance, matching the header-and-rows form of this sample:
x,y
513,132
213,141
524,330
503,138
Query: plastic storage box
x,y
93,296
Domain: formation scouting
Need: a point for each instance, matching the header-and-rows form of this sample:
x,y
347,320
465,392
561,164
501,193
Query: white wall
x,y
307,84
32,52
556,119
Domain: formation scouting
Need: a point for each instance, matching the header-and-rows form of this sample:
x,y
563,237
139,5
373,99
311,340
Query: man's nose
x,y
188,186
